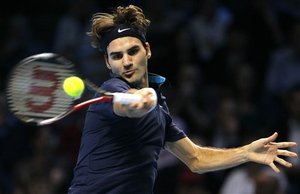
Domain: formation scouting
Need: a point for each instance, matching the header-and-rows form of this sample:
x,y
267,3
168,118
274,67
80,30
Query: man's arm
x,y
137,109
204,159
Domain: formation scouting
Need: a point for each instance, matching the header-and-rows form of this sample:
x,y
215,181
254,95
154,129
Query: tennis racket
x,y
35,94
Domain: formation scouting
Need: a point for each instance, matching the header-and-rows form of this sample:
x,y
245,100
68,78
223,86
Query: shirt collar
x,y
155,80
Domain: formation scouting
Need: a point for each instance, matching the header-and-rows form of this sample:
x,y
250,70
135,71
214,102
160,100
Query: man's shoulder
x,y
115,84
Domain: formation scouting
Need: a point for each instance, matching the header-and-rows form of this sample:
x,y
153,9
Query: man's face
x,y
127,57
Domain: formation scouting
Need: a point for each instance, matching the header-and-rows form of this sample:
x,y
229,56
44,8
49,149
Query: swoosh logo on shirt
x,y
122,30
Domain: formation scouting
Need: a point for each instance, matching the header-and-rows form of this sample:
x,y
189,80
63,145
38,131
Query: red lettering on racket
x,y
47,91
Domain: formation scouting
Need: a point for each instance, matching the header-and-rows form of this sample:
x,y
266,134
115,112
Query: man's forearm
x,y
211,159
204,159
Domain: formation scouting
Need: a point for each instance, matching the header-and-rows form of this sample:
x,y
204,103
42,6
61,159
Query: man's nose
x,y
127,61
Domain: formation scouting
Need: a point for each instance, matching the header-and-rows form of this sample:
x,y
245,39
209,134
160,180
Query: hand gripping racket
x,y
35,93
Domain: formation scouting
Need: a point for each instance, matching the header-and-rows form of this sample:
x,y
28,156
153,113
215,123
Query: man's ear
x,y
148,50
106,62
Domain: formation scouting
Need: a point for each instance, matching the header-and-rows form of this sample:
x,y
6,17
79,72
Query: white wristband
x,y
125,98
154,98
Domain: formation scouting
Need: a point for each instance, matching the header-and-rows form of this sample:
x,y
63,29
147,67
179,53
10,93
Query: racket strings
x,y
35,91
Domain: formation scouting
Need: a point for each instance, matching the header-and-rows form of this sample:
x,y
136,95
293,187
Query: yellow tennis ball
x,y
73,86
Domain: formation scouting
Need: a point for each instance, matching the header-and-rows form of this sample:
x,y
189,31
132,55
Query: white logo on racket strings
x,y
122,30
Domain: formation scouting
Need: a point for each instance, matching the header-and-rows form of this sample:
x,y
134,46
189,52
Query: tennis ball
x,y
73,86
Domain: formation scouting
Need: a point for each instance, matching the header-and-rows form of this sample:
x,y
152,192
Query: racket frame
x,y
39,119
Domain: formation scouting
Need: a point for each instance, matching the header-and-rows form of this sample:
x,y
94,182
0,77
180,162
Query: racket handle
x,y
125,98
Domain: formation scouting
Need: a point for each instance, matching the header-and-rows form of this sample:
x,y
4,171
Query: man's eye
x,y
117,56
134,51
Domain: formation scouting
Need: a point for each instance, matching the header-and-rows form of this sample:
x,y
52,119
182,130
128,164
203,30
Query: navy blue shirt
x,y
118,155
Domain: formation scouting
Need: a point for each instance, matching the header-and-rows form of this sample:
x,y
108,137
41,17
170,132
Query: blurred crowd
x,y
233,71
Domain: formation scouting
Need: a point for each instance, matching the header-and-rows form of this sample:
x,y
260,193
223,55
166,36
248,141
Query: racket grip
x,y
125,98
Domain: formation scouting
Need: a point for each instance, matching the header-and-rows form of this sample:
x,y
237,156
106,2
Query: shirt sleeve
x,y
173,132
105,109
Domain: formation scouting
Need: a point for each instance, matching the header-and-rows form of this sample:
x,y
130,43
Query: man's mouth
x,y
128,74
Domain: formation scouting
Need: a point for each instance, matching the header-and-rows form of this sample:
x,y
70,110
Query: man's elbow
x,y
197,167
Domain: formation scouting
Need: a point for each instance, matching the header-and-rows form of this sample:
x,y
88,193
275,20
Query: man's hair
x,y
103,23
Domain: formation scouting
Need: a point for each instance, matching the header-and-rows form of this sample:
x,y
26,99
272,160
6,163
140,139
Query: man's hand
x,y
139,108
266,151
148,101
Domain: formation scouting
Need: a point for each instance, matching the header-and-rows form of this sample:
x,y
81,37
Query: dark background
x,y
218,57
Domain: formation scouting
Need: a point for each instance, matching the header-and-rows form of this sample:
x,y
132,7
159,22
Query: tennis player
x,y
120,144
